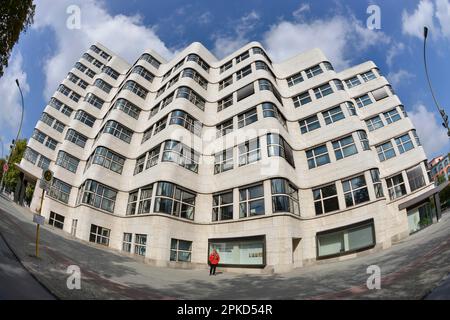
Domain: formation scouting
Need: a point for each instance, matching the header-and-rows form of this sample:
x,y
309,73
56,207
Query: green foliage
x,y
29,193
12,176
15,16
440,179
2,162
444,195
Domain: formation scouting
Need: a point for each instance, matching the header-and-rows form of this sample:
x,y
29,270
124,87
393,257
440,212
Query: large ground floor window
x,y
56,220
420,217
99,235
345,240
240,252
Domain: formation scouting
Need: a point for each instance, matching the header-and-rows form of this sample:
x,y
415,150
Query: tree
x,y
2,162
13,174
15,16
440,179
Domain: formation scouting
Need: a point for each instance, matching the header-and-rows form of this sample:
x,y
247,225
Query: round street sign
x,y
48,175
5,167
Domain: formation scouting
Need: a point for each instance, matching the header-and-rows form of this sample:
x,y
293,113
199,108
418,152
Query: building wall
x,y
279,228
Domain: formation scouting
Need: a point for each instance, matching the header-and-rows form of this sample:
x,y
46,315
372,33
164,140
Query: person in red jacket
x,y
214,259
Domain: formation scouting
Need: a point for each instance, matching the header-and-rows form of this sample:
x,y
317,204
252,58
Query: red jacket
x,y
214,259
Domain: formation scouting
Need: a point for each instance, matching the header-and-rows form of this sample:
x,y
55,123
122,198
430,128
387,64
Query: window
x,y
225,102
224,128
94,100
144,73
166,101
369,75
111,72
51,143
31,155
364,140
265,84
183,119
223,161
243,72
247,118
136,89
199,61
155,63
415,178
404,143
76,138
192,96
127,241
249,152
225,83
295,79
355,191
385,151
325,199
314,71
47,119
242,57
184,156
106,87
344,147
191,73
271,111
128,108
377,185
80,67
318,156
64,90
402,109
345,240
323,90
363,100
257,50
173,200
160,125
74,96
374,123
85,118
352,82
67,161
99,235
143,205
56,220
245,92
284,197
153,156
226,66
140,244
108,159
222,206
328,66
140,164
339,85
118,130
43,162
301,99
261,65
391,116
59,126
396,186
59,190
66,111
351,108
416,137
180,250
251,201
333,115
277,146
309,124
97,195
39,136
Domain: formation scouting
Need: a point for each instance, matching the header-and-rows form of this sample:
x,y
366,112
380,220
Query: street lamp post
x,y
18,134
441,111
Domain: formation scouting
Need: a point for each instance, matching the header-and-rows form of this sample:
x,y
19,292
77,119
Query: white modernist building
x,y
275,165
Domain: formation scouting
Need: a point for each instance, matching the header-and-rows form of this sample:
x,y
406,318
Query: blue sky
x,y
47,51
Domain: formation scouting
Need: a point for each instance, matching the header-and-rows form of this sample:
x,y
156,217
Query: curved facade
x,y
276,165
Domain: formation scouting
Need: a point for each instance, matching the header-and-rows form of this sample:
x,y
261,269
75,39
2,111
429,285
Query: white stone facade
x,y
290,238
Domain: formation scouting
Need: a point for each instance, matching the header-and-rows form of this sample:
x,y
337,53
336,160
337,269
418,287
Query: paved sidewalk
x,y
409,270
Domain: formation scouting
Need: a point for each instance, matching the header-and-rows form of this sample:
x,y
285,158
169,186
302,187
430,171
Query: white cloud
x,y
399,77
299,12
443,16
226,44
431,133
11,104
394,51
339,38
125,35
412,24
204,18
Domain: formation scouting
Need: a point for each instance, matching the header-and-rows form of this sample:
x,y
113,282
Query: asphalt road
x,y
16,282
